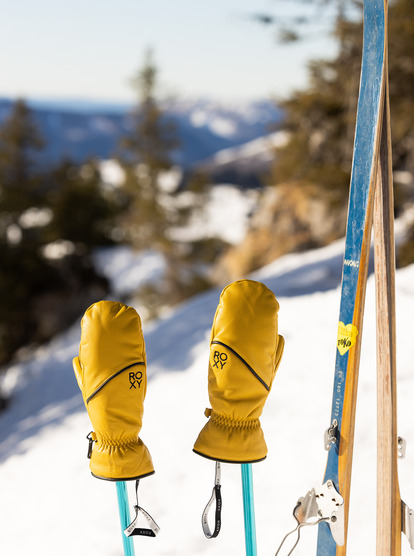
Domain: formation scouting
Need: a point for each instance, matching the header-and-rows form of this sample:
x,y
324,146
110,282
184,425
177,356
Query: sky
x,y
90,50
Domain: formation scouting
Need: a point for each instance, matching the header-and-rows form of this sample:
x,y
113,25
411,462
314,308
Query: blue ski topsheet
x,y
359,219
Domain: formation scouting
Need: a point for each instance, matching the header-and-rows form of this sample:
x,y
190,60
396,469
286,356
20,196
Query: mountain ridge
x,y
78,130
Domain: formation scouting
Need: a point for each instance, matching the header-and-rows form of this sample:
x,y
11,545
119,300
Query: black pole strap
x,y
134,529
215,496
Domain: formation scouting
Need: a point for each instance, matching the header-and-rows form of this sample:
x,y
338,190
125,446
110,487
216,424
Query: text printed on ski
x,y
351,263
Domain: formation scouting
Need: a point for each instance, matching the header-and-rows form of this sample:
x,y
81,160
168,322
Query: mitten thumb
x,y
279,353
78,372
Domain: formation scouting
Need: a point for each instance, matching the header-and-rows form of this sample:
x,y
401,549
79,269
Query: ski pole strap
x,y
215,496
134,529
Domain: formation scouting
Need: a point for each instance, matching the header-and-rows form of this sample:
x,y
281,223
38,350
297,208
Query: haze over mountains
x,y
79,130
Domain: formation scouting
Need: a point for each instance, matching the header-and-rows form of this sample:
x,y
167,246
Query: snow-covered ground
x,y
50,504
225,215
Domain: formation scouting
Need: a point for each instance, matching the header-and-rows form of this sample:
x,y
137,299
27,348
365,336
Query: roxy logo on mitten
x,y
134,379
220,359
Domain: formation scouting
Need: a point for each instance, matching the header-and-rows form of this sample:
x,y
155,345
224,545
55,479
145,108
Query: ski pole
x,y
124,516
248,508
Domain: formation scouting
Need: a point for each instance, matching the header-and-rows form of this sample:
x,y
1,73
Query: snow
x,y
262,147
220,125
35,217
112,172
120,266
226,120
215,220
51,504
58,249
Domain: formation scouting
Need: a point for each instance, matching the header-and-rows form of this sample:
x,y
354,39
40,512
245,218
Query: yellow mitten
x,y
111,373
245,352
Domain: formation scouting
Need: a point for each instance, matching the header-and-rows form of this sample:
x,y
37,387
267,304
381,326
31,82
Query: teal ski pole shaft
x,y
124,516
248,508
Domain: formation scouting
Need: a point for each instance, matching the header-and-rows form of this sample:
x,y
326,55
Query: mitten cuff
x,y
120,460
231,440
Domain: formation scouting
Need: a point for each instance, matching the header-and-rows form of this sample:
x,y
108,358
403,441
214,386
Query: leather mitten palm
x,y
111,373
245,352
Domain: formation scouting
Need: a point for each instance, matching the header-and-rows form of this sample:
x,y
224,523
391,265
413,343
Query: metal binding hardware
x,y
322,503
331,435
402,446
407,523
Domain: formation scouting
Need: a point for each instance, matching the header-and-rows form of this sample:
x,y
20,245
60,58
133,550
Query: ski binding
x,y
322,503
331,435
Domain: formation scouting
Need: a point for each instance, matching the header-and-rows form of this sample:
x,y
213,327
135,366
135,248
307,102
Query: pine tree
x,y
152,210
20,141
83,212
24,274
311,172
146,153
41,294
321,118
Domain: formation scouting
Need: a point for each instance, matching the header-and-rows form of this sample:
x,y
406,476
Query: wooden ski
x,y
393,516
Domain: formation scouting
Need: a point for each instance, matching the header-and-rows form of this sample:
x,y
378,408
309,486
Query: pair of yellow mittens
x,y
245,352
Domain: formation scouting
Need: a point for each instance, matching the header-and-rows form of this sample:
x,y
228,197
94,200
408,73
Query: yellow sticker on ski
x,y
346,337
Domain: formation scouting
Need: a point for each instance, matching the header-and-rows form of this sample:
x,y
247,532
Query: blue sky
x,y
89,49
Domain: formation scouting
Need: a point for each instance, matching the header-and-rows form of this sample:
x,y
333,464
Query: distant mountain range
x,y
80,130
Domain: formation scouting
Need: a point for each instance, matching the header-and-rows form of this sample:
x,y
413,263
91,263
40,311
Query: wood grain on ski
x,y
388,495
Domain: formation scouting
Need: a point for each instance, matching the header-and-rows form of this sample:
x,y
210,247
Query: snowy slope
x,y
51,505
